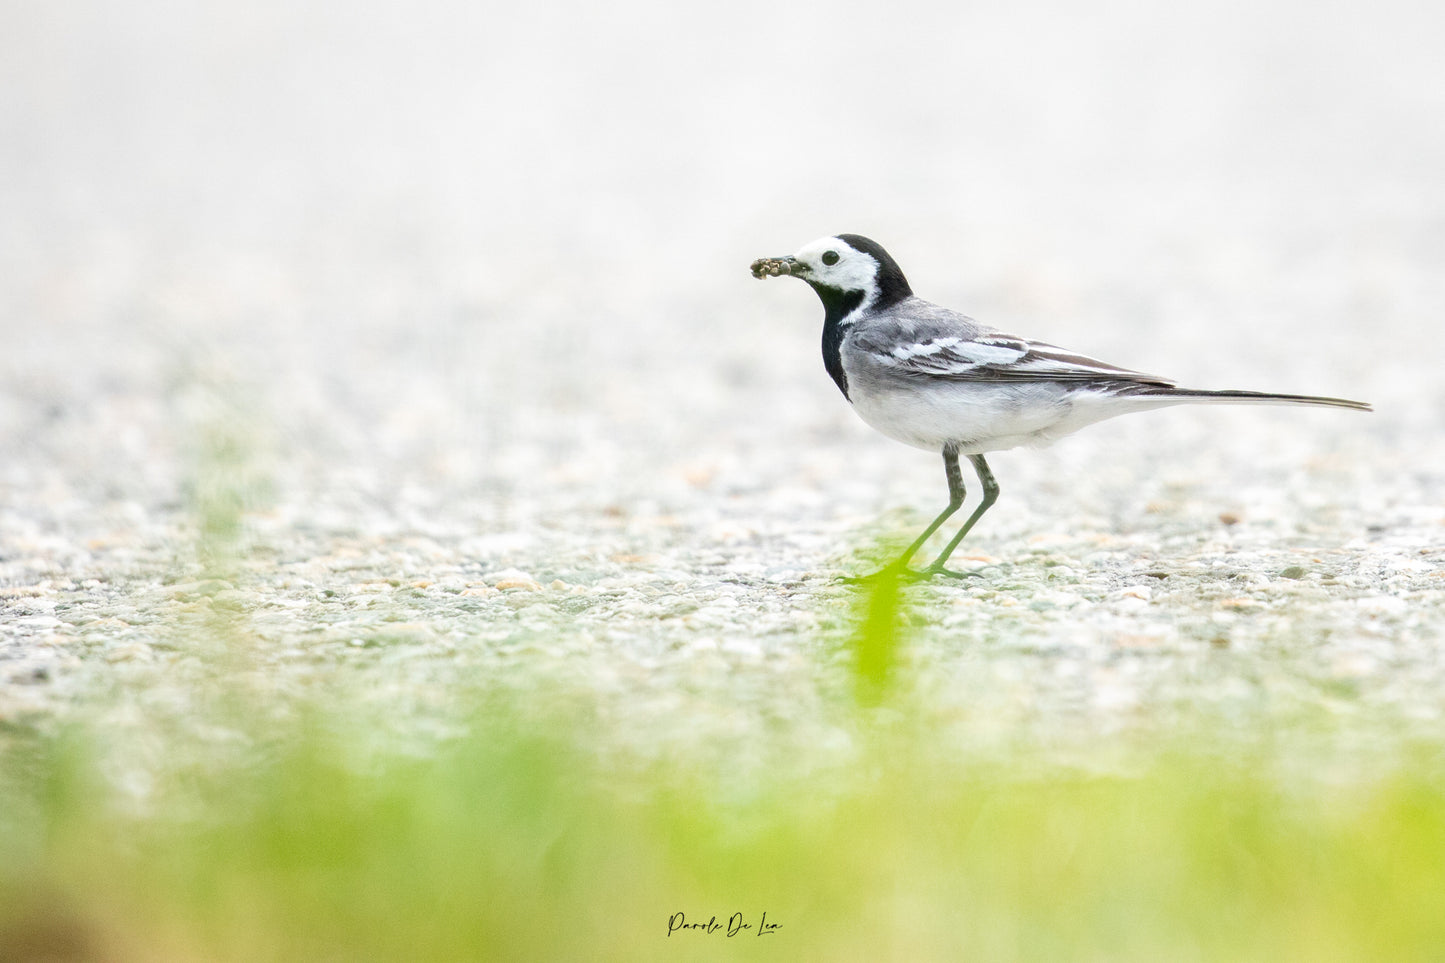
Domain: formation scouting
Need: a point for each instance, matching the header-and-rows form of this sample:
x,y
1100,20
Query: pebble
x,y
128,653
1382,605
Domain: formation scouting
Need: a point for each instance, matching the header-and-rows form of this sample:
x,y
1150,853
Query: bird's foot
x,y
933,570
901,573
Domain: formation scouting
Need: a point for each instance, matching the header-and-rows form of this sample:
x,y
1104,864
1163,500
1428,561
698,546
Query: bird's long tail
x,y
1248,398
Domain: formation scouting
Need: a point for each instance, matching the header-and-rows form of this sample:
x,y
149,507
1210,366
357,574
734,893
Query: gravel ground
x,y
452,307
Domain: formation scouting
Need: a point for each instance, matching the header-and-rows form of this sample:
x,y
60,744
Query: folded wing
x,y
994,357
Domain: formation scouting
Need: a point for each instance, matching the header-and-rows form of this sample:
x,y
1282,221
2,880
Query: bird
x,y
936,379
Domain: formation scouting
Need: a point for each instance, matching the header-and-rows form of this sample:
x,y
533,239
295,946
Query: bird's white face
x,y
832,262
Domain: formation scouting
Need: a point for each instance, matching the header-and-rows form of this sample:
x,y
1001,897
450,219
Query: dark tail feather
x,y
1251,398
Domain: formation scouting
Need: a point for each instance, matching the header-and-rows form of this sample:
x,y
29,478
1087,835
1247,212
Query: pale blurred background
x,y
468,266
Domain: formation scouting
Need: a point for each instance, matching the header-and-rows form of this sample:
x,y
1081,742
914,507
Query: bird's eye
x,y
830,257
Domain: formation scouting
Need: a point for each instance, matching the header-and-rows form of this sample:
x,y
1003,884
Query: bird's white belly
x,y
974,417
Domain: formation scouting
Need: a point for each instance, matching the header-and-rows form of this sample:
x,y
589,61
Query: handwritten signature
x,y
736,925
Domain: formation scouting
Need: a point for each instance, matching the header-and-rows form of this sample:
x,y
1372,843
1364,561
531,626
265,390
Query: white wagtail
x,y
936,379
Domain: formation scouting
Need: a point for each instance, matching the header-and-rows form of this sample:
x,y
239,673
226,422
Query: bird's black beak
x,y
773,267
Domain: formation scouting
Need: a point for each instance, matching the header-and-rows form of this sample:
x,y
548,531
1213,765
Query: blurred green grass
x,y
521,841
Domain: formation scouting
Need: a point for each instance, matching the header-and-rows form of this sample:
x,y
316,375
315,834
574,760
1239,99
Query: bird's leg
x,y
899,567
990,495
